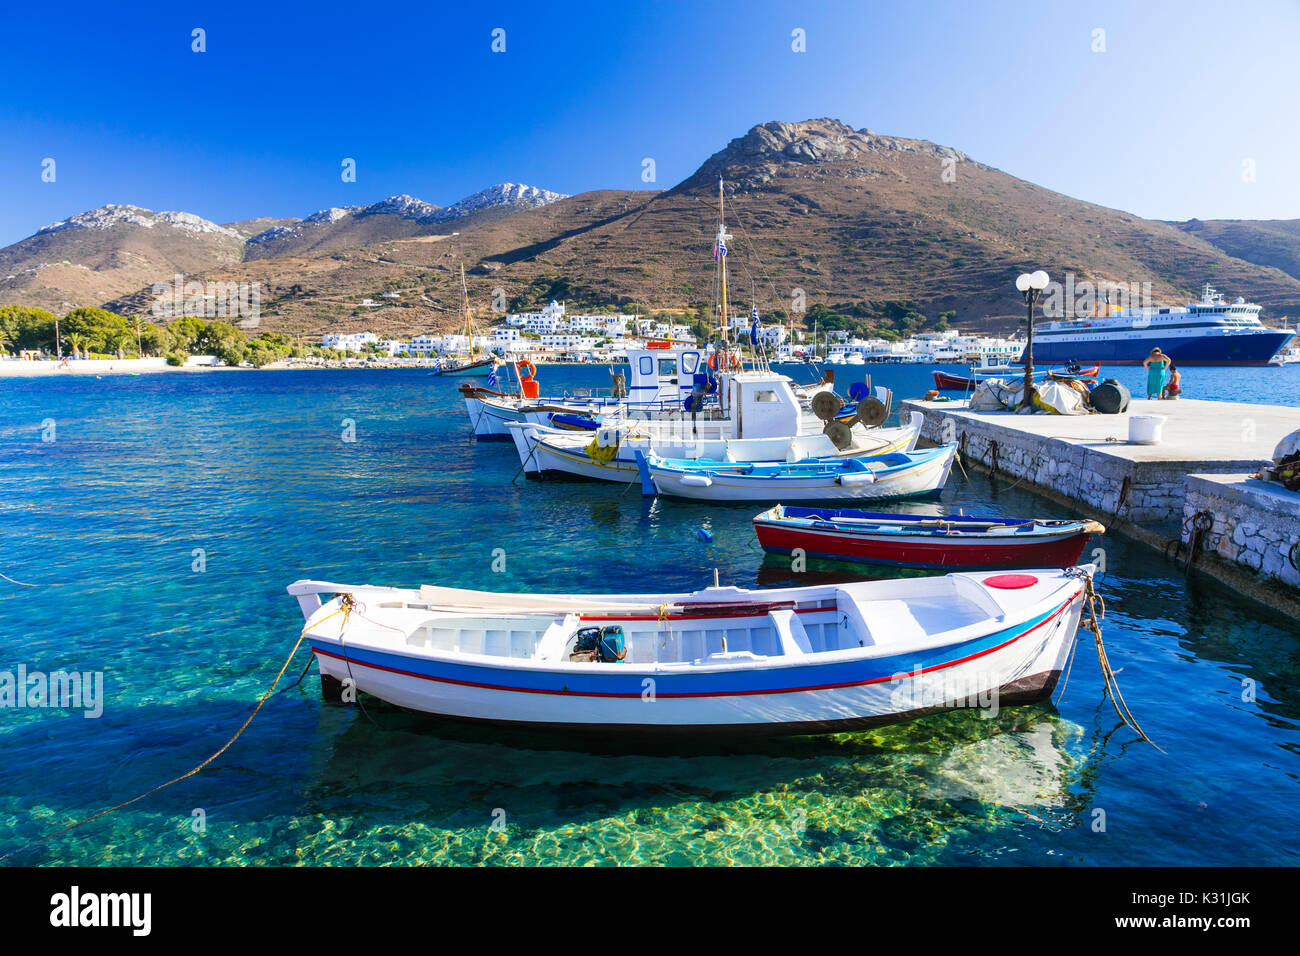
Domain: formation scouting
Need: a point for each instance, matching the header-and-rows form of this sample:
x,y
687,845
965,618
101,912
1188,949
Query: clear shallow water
x,y
251,468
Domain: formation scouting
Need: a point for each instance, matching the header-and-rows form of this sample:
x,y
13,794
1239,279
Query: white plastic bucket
x,y
1145,429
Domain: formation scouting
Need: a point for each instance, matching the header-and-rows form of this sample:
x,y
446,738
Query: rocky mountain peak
x,y
114,215
752,160
499,195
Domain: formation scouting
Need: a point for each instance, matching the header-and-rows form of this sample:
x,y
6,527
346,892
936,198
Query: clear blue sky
x,y
1159,124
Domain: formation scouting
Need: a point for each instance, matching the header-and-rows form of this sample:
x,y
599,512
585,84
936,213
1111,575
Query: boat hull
x,y
479,369
949,381
949,554
925,477
540,456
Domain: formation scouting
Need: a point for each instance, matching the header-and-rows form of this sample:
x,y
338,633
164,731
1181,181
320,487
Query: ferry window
x,y
667,367
647,365
765,395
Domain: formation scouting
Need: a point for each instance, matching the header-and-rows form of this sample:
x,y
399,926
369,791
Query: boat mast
x,y
720,250
469,333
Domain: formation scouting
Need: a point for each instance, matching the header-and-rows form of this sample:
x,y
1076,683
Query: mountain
x,y
397,217
874,225
97,255
1273,242
853,216
111,253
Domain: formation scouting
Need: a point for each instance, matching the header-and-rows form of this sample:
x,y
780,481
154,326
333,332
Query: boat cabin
x,y
759,405
664,372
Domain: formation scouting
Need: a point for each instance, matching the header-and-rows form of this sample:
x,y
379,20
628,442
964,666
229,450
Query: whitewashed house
x,y
348,341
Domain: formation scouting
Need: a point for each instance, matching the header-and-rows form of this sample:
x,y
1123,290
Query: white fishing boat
x,y
761,421
894,475
609,453
658,380
721,660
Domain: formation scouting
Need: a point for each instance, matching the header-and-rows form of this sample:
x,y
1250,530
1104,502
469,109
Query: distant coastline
x,y
15,368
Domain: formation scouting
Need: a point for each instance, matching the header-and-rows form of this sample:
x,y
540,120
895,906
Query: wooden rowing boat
x,y
720,660
954,543
894,475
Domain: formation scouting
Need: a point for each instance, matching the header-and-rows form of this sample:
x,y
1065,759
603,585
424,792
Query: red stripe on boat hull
x,y
949,553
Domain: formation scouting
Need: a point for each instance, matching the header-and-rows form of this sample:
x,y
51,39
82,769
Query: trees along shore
x,y
98,333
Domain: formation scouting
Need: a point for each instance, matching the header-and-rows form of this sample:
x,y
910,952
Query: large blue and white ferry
x,y
1211,332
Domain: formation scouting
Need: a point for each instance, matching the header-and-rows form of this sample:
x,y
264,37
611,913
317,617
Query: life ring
x,y
532,369
735,360
713,361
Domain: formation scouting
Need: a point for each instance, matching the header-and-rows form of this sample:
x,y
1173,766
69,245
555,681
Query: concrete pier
x,y
1143,490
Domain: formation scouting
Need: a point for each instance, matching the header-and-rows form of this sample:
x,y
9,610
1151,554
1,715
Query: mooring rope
x,y
21,584
345,610
1092,623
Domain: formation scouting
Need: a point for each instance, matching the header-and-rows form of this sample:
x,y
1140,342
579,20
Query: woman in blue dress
x,y
1155,364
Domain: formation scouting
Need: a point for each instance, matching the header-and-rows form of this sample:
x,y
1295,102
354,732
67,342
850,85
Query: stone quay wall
x,y
1255,524
1140,492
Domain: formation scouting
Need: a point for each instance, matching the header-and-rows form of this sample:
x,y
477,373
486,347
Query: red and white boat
x,y
949,381
955,543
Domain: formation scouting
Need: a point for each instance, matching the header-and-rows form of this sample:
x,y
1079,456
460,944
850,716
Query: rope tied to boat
x,y
662,613
346,603
1093,623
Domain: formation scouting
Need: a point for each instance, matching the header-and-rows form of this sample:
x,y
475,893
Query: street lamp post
x,y
1030,285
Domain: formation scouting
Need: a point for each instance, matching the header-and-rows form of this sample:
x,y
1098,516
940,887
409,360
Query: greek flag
x,y
492,375
754,329
719,250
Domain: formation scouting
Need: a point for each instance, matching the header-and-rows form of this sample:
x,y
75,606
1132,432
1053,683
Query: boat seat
x,y
551,645
853,621
790,632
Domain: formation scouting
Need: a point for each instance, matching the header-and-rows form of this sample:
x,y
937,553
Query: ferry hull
x,y
1256,348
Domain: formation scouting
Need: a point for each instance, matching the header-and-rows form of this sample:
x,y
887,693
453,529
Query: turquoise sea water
x,y
251,468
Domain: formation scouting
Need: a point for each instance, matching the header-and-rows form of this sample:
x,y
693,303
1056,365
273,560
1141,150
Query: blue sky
x,y
1162,123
